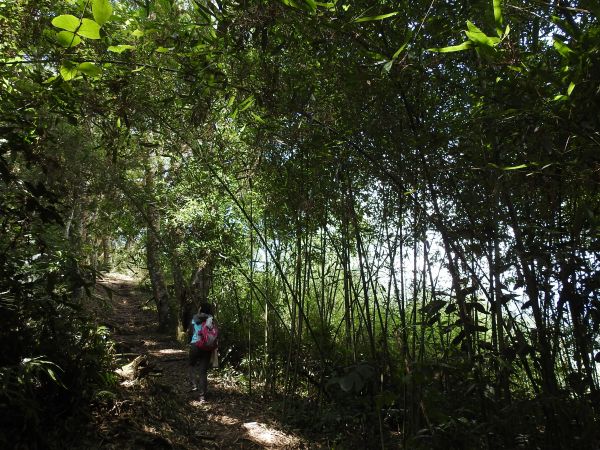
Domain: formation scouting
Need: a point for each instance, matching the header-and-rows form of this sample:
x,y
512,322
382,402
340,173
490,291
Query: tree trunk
x,y
157,278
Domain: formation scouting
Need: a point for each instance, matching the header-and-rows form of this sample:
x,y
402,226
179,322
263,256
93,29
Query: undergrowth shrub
x,y
53,358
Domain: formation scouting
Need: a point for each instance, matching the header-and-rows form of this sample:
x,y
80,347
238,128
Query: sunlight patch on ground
x,y
169,351
198,404
264,435
225,420
150,430
119,276
148,343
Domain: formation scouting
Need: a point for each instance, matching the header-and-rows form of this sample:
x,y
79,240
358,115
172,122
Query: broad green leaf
x,y
68,71
479,37
163,49
89,29
90,69
498,13
66,22
137,33
453,48
473,28
102,10
312,5
380,17
67,39
571,87
388,66
120,48
562,48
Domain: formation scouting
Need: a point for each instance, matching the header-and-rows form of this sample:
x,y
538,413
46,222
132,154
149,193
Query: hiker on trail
x,y
203,348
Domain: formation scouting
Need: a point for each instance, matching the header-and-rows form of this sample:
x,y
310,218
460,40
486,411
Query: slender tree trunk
x,y
106,253
157,278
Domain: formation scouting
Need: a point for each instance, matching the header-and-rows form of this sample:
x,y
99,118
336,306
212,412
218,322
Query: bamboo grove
x,y
394,205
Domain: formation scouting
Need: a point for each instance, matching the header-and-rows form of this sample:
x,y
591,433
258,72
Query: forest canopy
x,y
394,206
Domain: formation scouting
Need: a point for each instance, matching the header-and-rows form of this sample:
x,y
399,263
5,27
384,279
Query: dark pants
x,y
199,364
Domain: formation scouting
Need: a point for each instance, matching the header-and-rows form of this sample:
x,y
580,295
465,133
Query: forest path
x,y
157,408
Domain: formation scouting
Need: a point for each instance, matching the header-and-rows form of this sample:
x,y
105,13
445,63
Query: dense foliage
x,y
394,206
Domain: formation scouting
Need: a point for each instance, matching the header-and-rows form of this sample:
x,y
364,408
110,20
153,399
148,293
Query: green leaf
x,y
473,28
50,80
67,39
571,87
257,118
230,101
102,10
327,5
562,48
312,5
66,22
560,97
247,103
51,374
137,33
453,48
388,66
290,3
400,50
163,49
380,17
120,48
89,29
90,69
479,37
68,71
520,166
498,13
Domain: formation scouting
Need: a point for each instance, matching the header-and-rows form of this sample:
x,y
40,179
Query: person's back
x,y
200,354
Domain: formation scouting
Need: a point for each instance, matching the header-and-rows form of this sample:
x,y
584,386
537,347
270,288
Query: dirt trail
x,y
157,410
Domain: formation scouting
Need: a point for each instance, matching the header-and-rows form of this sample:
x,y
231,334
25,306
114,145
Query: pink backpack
x,y
208,337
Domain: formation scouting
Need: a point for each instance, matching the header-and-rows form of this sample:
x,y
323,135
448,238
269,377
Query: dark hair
x,y
207,308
